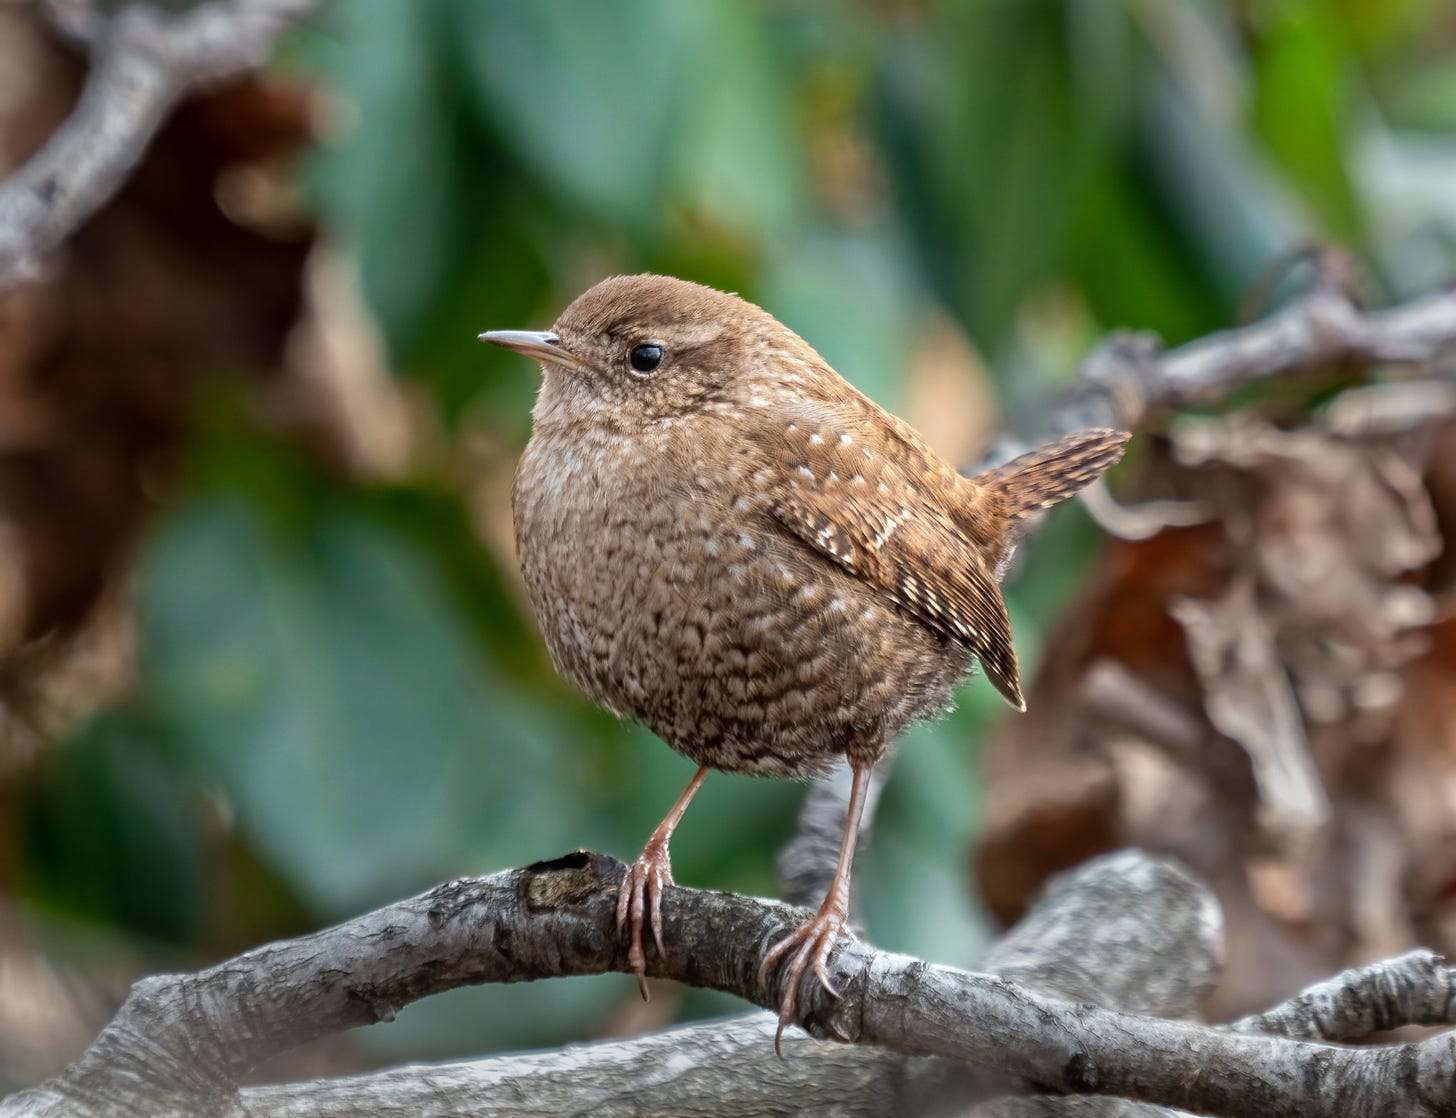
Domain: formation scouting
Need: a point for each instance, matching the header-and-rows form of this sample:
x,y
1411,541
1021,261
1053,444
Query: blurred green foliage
x,y
339,676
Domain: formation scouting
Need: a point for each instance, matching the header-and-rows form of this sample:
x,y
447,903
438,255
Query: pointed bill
x,y
541,345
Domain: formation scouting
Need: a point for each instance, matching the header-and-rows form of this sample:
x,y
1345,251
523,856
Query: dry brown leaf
x,y
1270,694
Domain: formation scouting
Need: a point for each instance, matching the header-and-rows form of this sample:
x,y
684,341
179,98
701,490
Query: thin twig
x,y
1412,989
143,63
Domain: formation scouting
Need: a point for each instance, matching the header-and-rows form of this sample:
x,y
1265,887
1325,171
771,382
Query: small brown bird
x,y
726,541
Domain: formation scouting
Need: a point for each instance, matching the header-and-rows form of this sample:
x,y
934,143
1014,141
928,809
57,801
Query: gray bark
x,y
1090,933
1414,989
181,1042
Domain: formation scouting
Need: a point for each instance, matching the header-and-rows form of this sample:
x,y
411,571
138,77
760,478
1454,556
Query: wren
x,y
726,541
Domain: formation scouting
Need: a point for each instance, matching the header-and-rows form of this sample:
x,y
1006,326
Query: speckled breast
x,y
692,610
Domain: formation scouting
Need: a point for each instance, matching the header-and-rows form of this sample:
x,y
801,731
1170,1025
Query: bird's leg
x,y
641,893
810,944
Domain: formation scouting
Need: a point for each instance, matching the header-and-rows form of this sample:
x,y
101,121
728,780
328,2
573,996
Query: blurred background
x,y
265,660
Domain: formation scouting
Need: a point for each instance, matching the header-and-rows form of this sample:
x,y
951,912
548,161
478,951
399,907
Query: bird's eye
x,y
645,358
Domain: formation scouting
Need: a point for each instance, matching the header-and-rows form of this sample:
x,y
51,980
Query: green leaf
x,y
991,124
393,182
499,281
1214,185
1301,110
321,675
112,831
734,154
1138,268
584,93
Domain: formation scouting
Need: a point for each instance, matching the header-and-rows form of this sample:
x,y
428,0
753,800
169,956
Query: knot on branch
x,y
569,881
1117,381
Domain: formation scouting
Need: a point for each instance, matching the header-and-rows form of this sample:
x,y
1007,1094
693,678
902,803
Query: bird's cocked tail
x,y
1052,472
1009,494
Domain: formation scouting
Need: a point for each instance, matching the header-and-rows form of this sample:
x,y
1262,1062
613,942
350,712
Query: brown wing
x,y
870,512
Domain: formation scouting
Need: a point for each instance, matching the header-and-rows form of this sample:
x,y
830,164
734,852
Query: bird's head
x,y
635,350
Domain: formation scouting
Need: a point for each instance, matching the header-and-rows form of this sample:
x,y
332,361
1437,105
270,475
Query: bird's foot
x,y
640,901
805,947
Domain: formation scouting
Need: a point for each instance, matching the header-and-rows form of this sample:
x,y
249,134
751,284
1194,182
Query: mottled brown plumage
x,y
749,556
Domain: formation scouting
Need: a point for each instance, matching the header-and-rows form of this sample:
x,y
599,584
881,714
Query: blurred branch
x,y
181,1042
1415,989
806,864
144,61
1070,1106
1128,377
1142,521
694,1069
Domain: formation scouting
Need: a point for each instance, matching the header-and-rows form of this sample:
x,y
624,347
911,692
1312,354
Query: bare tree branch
x,y
181,1041
1128,378
1070,1106
1092,928
143,63
696,1069
1414,989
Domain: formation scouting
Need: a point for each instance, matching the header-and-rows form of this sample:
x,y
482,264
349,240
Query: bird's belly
x,y
733,643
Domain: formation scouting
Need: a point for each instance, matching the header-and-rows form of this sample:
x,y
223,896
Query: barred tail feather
x,y
998,661
1054,471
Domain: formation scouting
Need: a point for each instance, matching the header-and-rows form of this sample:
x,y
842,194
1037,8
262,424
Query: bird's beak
x,y
539,344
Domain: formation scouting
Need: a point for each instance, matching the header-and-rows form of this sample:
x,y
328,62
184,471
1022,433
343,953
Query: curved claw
x,y
639,901
807,946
